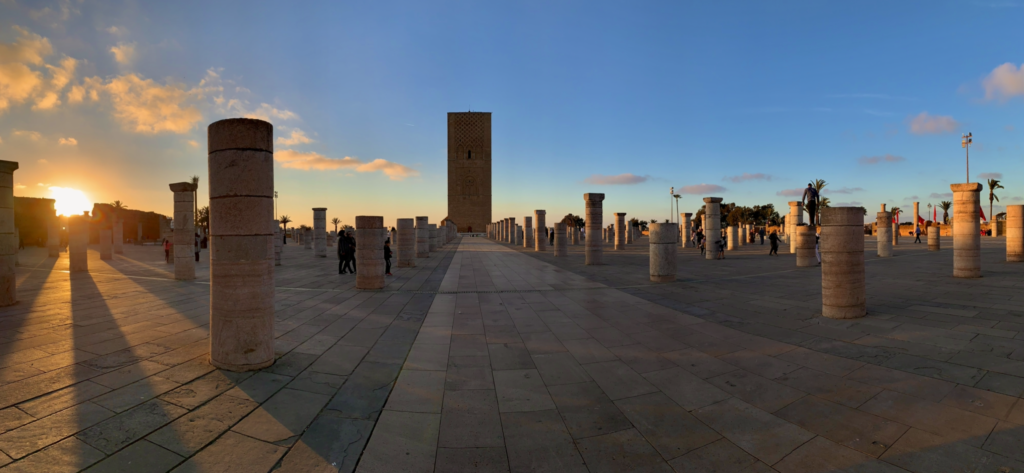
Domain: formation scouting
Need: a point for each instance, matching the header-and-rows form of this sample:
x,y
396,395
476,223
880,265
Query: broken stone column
x,y
561,246
593,212
1014,233
686,230
278,243
528,232
8,240
917,217
713,220
103,216
53,232
843,294
805,236
422,237
432,237
370,252
78,241
883,220
620,231
966,230
732,235
406,243
663,251
934,232
184,231
575,235
896,232
320,232
118,235
511,231
796,217
630,233
241,177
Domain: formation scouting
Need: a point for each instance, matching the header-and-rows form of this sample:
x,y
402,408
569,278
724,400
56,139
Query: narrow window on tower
x,y
469,154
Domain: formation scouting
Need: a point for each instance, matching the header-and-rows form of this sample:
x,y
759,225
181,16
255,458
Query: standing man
x,y
810,201
387,257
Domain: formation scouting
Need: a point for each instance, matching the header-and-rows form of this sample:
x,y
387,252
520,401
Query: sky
x,y
747,101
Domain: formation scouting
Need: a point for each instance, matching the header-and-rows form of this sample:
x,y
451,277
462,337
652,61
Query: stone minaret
x,y
469,170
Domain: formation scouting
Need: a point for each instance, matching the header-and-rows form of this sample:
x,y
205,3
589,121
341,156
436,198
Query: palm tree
x,y
203,219
336,221
993,184
118,205
818,185
195,197
945,206
285,220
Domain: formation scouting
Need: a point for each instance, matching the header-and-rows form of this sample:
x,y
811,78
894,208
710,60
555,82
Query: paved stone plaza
x,y
487,357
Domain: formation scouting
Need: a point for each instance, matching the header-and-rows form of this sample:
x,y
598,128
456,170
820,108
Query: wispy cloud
x,y
944,195
888,158
27,134
1004,82
841,190
925,124
69,141
990,175
616,180
144,106
124,53
298,137
315,161
700,189
748,177
791,192
848,204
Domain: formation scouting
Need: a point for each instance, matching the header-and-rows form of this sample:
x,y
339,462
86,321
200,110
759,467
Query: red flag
x,y
919,219
935,214
982,213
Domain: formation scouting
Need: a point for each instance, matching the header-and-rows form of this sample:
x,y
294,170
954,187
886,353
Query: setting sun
x,y
70,201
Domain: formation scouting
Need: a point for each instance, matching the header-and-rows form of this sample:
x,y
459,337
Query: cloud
x,y
619,179
1017,199
19,186
925,124
264,112
700,189
990,175
116,30
316,161
848,204
124,53
193,143
298,137
913,197
843,190
27,134
67,141
880,159
936,195
791,192
748,177
43,185
143,106
1004,82
29,48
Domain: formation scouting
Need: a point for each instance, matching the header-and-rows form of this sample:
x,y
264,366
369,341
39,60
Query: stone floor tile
x,y
1006,439
417,391
385,351
939,419
427,356
520,391
539,442
852,428
1002,384
820,454
762,393
139,457
903,382
560,368
129,374
621,451
320,383
30,388
259,387
187,371
117,432
979,401
62,399
758,433
699,363
471,460
457,379
331,443
49,430
364,393
233,452
468,345
610,337
193,431
12,418
668,427
470,419
761,365
291,364
721,456
542,343
641,359
588,350
685,388
197,392
826,386
658,341
823,362
283,416
587,411
340,359
122,399
402,441
936,369
918,450
68,456
617,380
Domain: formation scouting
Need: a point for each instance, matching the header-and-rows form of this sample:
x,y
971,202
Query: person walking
x,y
387,257
720,244
700,241
810,200
347,247
167,251
917,235
197,247
761,232
774,240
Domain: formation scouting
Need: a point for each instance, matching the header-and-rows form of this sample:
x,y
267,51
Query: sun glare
x,y
70,201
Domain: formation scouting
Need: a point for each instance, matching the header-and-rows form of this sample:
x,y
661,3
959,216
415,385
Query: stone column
x,y
184,231
511,231
934,232
118,235
103,215
406,243
620,231
518,233
896,231
1014,233
593,212
422,237
713,219
843,294
732,235
241,177
78,241
575,235
883,220
796,217
528,232
320,232
8,240
540,238
307,239
630,233
561,247
432,237
53,233
966,230
805,236
917,217
370,252
278,243
663,251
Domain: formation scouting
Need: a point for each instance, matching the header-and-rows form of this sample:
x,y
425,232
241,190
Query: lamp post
x,y
965,143
275,205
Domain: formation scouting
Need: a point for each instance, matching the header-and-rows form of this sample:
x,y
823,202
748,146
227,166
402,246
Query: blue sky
x,y
628,99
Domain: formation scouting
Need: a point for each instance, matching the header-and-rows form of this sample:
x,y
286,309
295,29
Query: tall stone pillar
x,y
883,220
370,252
593,212
620,231
561,247
732,235
796,217
713,220
805,236
966,230
511,231
917,217
432,237
575,235
52,231
1014,233
630,233
528,232
934,232
684,232
843,294
540,238
519,236
103,215
663,251
278,243
422,237
406,243
184,231
320,232
241,177
78,242
8,241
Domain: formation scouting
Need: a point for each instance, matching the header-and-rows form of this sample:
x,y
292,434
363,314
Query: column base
x,y
240,368
663,278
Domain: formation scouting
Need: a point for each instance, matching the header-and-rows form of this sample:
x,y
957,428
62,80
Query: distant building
x,y
469,170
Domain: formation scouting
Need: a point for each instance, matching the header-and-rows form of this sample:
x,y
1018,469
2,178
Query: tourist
x,y
167,251
761,232
197,247
774,240
341,253
387,257
699,236
917,235
721,248
817,250
810,200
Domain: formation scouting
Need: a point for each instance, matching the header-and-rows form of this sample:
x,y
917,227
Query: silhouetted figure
x,y
387,257
774,239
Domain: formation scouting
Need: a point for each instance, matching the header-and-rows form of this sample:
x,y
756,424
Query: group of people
x,y
168,246
347,254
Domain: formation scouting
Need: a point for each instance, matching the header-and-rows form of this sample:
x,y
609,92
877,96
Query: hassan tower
x,y
469,170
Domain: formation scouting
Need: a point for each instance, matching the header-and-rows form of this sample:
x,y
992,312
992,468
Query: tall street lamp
x,y
965,143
